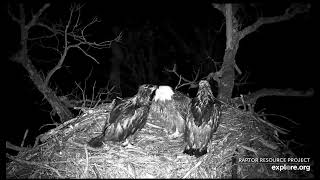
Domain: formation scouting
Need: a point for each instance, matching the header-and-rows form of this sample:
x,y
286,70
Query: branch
x,y
14,147
73,37
252,98
290,12
220,7
13,17
192,83
22,16
36,16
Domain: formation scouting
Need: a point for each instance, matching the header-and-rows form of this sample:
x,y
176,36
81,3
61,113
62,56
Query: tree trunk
x,y
227,80
58,106
228,75
22,58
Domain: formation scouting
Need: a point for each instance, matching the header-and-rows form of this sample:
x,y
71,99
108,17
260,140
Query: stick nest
x,y
63,152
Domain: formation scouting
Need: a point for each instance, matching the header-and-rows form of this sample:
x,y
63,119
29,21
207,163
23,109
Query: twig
x,y
24,137
85,172
83,94
54,124
290,120
14,147
192,83
92,96
249,149
192,169
279,129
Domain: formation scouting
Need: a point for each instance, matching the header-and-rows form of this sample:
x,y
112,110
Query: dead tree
x,y
67,36
226,75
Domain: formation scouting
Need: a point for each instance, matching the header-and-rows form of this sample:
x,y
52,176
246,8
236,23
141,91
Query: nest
x,y
63,152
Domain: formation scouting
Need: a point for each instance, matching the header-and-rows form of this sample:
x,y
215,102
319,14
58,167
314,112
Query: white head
x,y
163,93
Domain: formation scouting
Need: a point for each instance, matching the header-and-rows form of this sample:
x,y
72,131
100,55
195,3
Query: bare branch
x,y
253,97
36,16
14,147
24,137
290,12
64,36
34,19
237,68
42,37
83,93
74,100
220,7
118,38
85,53
64,54
192,83
92,96
55,49
107,91
13,17
78,17
94,20
74,37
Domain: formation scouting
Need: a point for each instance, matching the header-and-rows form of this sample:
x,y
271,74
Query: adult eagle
x,y
169,110
202,120
126,117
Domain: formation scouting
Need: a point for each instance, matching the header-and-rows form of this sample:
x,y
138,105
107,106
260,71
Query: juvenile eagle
x,y
126,117
202,120
169,109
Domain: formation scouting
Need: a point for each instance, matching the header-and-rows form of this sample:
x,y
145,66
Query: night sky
x,y
278,55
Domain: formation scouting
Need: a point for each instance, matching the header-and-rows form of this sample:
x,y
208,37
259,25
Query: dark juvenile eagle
x,y
126,117
168,111
202,120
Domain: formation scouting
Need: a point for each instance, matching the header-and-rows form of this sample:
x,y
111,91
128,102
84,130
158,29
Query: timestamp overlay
x,y
280,163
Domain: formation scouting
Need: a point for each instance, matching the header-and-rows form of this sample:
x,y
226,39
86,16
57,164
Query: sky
x,y
275,56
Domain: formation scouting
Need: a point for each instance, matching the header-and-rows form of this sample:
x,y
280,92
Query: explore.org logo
x,y
280,164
